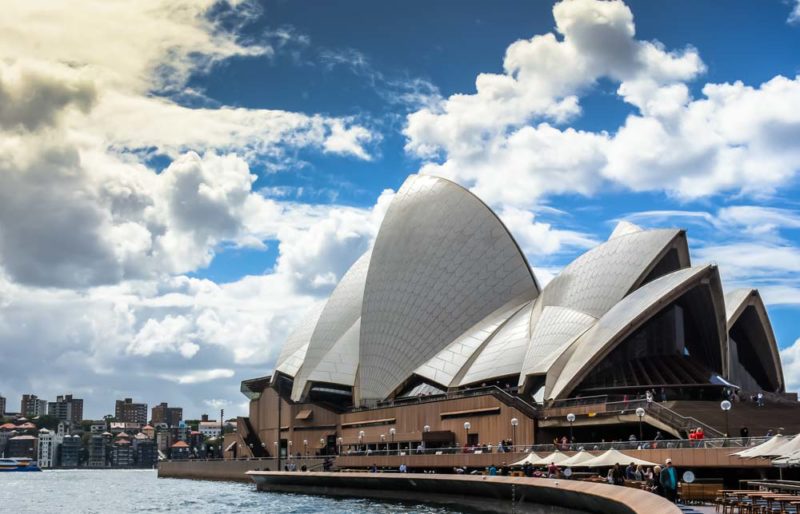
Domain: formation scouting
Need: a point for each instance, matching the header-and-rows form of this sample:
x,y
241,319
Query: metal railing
x,y
544,449
509,397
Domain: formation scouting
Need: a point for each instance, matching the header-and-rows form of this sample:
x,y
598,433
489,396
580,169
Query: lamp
x,y
514,423
571,419
725,405
467,426
640,413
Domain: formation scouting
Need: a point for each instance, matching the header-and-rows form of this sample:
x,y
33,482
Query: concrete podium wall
x,y
233,470
482,493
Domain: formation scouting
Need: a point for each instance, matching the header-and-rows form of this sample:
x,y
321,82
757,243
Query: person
x,y
504,471
492,470
760,399
663,394
373,468
649,396
770,433
403,468
638,475
610,476
630,472
618,475
552,470
669,481
699,434
745,433
654,483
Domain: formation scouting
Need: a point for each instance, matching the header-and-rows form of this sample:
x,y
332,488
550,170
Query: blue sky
x,y
183,180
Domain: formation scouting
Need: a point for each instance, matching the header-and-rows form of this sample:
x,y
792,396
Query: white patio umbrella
x,y
789,447
612,457
531,458
556,457
764,449
578,460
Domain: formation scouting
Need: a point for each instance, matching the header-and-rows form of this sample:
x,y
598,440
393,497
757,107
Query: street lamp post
x,y
392,432
571,419
640,413
425,430
360,439
340,441
467,426
514,423
383,441
277,456
725,405
305,448
323,448
290,448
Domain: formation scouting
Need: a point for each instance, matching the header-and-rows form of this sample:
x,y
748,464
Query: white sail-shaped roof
x,y
340,364
591,285
502,356
444,367
620,321
442,261
296,345
760,330
339,315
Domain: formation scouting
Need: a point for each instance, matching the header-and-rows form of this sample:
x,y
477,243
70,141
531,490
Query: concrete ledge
x,y
484,493
230,470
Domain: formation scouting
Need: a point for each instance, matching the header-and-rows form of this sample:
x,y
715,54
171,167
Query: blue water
x,y
120,491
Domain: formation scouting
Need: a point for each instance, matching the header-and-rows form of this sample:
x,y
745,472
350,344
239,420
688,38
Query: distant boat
x,y
18,464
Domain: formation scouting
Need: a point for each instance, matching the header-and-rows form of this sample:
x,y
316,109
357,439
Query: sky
x,y
180,181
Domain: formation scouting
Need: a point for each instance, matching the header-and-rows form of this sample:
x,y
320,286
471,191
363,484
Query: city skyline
x,y
183,182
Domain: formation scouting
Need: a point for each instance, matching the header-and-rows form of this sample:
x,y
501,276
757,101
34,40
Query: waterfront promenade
x,y
484,493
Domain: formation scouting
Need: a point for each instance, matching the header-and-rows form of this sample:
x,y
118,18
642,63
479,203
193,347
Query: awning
x,y
355,424
305,414
529,459
611,457
556,457
578,460
766,449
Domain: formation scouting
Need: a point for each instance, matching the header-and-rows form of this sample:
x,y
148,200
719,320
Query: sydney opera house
x,y
441,334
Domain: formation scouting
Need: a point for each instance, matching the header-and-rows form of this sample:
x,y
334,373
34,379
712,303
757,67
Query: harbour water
x,y
122,491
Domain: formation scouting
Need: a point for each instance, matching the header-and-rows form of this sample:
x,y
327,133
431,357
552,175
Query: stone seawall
x,y
483,493
232,470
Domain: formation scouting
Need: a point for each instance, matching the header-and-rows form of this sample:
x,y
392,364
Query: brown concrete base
x,y
482,493
230,470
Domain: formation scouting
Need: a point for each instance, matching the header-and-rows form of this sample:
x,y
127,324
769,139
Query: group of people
x,y
503,446
658,480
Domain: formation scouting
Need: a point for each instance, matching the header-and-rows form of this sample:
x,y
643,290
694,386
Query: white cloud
x,y
790,359
197,377
538,238
502,142
794,15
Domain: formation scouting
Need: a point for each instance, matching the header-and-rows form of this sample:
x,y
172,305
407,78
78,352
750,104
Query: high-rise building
x,y
66,408
2,406
98,451
163,413
122,453
70,451
48,449
31,406
129,412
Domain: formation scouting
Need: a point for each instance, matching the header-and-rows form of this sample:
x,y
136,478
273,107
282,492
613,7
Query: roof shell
x,y
621,320
591,285
341,312
442,261
296,345
736,302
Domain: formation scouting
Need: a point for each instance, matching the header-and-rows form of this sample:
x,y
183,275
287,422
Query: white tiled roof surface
x,y
442,262
443,367
733,300
294,349
340,364
340,313
607,331
503,354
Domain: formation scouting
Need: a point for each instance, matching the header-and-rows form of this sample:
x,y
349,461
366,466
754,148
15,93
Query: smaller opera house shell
x,y
446,300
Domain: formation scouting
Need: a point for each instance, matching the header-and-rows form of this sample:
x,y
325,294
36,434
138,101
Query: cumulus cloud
x,y
504,140
794,15
790,359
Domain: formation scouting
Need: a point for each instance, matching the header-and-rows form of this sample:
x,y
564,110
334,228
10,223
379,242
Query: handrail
x,y
544,449
689,421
